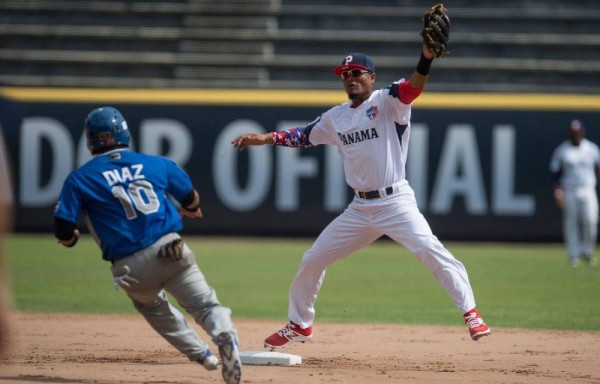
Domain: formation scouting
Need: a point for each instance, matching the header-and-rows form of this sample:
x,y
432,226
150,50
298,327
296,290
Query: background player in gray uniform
x,y
575,167
125,197
5,227
372,133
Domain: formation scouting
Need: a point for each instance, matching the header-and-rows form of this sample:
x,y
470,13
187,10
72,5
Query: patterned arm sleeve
x,y
295,137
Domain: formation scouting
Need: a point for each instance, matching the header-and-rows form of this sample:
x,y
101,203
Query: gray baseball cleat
x,y
208,360
230,358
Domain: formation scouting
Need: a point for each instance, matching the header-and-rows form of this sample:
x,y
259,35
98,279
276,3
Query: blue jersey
x,y
124,195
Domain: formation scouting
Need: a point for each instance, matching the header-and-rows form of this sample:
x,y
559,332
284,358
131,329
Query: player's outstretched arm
x,y
244,141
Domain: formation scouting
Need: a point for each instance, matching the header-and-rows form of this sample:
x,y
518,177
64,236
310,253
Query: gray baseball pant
x,y
185,282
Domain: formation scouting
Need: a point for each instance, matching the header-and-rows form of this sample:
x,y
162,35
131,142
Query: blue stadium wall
x,y
478,162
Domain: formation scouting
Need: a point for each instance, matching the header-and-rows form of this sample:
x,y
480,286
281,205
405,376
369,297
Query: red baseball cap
x,y
355,60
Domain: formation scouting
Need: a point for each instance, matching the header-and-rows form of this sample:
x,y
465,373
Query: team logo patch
x,y
372,112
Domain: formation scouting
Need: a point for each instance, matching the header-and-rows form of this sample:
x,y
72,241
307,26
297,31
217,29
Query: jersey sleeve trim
x,y
408,94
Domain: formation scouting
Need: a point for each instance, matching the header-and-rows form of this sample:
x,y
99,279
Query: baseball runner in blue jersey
x,y
371,132
125,198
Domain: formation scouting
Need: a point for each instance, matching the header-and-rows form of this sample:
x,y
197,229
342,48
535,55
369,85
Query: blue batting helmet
x,y
105,127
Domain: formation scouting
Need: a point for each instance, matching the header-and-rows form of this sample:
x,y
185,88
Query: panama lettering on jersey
x,y
357,137
381,126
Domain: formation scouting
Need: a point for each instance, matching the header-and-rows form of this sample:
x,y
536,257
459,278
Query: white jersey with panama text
x,y
372,138
577,164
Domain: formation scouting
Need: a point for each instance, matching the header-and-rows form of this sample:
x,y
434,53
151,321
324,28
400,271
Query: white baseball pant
x,y
361,224
580,221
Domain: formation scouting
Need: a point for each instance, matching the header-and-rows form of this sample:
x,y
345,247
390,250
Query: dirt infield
x,y
124,349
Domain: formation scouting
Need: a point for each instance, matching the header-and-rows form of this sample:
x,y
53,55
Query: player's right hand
x,y
559,197
244,141
71,242
192,211
124,280
191,215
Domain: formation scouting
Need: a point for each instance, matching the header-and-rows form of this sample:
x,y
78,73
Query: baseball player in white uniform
x,y
575,167
371,132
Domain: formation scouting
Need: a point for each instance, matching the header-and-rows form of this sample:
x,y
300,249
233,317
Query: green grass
x,y
516,285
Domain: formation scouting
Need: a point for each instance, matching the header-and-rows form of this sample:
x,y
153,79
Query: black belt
x,y
374,194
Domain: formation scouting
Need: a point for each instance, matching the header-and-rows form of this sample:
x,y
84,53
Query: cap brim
x,y
340,68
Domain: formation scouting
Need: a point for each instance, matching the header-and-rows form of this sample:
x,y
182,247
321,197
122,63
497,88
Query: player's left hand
x,y
436,30
172,251
427,52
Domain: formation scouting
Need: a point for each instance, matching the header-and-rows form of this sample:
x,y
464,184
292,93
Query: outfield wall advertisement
x,y
478,163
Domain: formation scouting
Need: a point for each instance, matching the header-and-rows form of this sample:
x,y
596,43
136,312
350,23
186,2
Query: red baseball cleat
x,y
477,328
290,333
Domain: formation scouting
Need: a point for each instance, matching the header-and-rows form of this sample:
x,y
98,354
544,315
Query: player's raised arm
x,y
435,33
421,73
